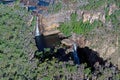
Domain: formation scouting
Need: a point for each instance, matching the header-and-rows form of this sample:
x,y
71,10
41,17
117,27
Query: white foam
x,y
37,32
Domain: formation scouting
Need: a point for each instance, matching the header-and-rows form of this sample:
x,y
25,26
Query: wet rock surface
x,y
105,43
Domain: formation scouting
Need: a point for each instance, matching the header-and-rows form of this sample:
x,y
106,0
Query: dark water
x,y
75,57
40,11
40,42
7,2
46,41
40,3
43,3
51,40
32,8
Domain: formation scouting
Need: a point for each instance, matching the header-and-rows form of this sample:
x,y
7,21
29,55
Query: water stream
x,y
7,2
75,54
40,42
46,41
43,3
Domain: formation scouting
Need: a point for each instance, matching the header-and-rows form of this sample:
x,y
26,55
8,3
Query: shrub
x,y
78,27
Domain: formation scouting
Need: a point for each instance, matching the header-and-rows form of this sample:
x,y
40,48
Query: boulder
x,y
91,16
112,8
52,26
79,13
102,17
95,16
86,16
50,32
67,42
79,39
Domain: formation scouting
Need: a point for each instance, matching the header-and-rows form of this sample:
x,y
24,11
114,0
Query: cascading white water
x,y
75,54
37,32
39,39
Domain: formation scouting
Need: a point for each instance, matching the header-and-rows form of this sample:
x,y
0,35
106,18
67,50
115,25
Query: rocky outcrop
x,y
80,14
101,40
112,8
56,18
50,32
86,16
105,42
53,20
78,39
29,20
52,26
91,16
67,42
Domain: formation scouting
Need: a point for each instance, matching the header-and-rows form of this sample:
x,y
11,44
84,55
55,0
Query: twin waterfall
x,y
39,39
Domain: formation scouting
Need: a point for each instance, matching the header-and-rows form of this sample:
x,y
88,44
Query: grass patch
x,y
93,4
79,27
55,7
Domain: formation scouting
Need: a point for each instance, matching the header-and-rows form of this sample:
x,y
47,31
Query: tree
x,y
15,41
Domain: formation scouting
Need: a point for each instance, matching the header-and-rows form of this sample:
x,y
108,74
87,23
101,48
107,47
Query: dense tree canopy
x,y
15,44
19,59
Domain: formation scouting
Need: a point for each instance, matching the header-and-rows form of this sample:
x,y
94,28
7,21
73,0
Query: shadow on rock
x,y
86,55
90,57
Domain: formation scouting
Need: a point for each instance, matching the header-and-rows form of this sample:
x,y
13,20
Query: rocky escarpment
x,y
105,43
104,39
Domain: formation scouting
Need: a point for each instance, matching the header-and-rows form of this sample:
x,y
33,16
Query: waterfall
x,y
75,54
37,31
39,39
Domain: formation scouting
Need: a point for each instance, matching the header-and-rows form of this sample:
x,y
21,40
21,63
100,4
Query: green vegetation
x,y
79,27
93,4
54,8
15,44
19,59
113,18
57,7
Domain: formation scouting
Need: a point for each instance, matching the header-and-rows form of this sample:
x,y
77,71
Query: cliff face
x,y
104,38
106,43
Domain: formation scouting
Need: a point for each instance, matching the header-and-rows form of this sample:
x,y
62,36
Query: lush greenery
x,y
96,4
79,27
57,7
19,59
17,47
93,4
54,8
15,44
113,18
